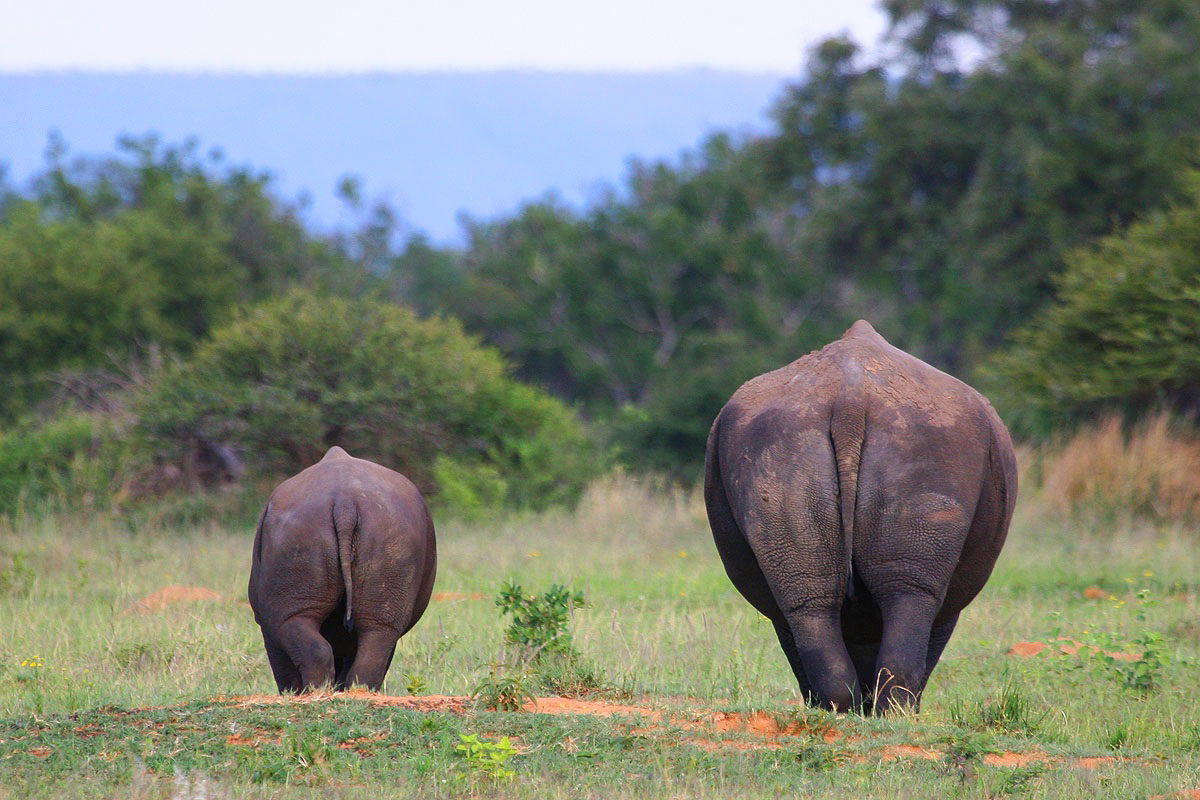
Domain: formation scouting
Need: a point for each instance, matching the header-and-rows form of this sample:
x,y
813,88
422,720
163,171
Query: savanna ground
x,y
690,697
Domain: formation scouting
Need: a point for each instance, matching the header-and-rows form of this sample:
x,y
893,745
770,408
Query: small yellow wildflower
x,y
1147,574
534,554
683,553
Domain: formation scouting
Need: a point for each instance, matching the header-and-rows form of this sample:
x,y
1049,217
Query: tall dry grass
x,y
1150,470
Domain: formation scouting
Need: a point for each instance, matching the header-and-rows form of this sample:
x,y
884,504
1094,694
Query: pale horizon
x,y
369,36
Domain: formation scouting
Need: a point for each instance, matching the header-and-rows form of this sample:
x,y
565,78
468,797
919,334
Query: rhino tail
x,y
345,526
847,431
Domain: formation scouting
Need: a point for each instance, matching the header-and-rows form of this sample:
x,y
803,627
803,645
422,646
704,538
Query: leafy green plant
x,y
1121,335
539,622
415,684
502,690
487,759
1137,664
16,576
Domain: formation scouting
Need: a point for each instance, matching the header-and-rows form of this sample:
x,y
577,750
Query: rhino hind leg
x,y
309,651
794,529
938,638
903,653
287,677
742,568
375,650
908,573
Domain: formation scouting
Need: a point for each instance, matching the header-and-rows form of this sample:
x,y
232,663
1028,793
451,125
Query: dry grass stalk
x,y
1153,470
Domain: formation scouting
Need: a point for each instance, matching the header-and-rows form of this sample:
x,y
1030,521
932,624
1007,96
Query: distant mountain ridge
x,y
431,144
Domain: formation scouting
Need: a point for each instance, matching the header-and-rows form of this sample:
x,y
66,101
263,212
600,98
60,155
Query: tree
x,y
1124,332
663,298
153,247
947,196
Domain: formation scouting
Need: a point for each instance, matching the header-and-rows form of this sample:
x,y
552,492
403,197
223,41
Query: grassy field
x,y
99,698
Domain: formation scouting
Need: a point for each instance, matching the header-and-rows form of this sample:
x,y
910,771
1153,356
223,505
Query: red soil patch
x,y
1067,647
1011,759
428,702
442,597
40,752
591,708
1094,593
251,740
359,745
173,595
1026,649
895,751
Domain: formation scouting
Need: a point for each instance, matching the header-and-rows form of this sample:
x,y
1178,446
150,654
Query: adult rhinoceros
x,y
343,566
859,498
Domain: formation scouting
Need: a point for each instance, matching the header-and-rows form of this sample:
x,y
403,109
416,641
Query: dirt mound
x,y
895,751
1094,593
174,595
709,730
449,597
426,702
1011,759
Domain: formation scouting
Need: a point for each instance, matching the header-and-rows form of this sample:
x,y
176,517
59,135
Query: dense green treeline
x,y
1008,191
938,201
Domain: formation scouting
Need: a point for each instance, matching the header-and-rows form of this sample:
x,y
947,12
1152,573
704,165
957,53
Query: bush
x,y
76,455
1124,334
298,374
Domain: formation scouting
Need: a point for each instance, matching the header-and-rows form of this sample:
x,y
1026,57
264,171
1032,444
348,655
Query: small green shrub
x,y
1137,662
415,684
539,622
487,759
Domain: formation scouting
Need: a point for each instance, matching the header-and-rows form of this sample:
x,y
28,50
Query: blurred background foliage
x,y
1009,192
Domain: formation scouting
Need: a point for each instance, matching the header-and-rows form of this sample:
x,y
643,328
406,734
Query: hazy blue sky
x,y
358,35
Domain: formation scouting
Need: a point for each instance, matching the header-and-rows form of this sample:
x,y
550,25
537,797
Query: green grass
x,y
130,704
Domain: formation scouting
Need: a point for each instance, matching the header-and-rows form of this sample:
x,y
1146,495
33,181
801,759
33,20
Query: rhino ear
x,y
335,452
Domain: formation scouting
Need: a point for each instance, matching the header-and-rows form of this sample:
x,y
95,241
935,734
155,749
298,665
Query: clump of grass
x,y
1150,470
504,688
1009,712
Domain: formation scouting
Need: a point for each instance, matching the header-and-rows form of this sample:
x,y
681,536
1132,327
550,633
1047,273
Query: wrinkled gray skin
x,y
859,498
343,566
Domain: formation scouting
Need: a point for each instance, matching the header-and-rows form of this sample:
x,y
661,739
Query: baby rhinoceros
x,y
343,566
